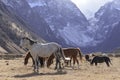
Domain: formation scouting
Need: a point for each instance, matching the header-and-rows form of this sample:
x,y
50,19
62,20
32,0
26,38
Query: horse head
x,y
50,60
26,43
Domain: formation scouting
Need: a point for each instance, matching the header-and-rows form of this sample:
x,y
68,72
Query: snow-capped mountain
x,y
36,23
106,21
67,25
62,22
108,16
65,20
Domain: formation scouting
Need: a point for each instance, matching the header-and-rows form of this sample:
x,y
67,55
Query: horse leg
x,y
77,62
56,64
36,67
95,63
91,63
59,64
107,63
70,61
66,63
73,63
33,61
57,61
42,61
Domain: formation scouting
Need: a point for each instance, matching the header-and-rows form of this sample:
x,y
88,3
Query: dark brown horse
x,y
28,55
68,52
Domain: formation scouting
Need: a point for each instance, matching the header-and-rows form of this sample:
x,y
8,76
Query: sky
x,y
89,7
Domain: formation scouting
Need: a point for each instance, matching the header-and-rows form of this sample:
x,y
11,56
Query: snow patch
x,y
39,3
72,34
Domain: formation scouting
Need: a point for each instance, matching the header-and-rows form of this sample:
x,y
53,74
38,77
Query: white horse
x,y
43,50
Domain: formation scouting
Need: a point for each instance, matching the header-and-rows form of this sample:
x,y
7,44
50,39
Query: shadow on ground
x,y
39,74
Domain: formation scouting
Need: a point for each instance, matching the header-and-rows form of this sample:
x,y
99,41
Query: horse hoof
x,y
73,68
34,70
37,71
55,68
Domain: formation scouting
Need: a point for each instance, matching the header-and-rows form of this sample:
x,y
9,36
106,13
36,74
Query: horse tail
x,y
80,54
62,53
63,56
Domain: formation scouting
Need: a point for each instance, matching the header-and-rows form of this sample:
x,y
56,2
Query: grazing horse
x,y
101,59
87,58
43,50
68,52
28,55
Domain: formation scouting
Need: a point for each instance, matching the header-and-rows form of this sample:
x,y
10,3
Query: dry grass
x,y
15,70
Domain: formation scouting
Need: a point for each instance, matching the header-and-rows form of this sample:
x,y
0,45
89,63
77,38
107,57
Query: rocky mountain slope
x,y
12,28
108,26
36,23
62,22
65,20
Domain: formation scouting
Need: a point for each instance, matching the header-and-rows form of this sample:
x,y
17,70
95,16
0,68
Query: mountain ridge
x,y
67,25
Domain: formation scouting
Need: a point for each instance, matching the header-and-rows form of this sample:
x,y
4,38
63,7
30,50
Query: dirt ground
x,y
14,69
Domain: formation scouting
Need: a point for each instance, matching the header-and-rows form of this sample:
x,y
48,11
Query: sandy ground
x,y
14,69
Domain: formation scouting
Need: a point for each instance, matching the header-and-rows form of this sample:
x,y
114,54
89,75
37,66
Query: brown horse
x,y
28,55
68,52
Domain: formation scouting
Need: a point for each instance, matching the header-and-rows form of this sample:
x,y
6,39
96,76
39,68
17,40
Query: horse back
x,y
45,49
70,51
101,59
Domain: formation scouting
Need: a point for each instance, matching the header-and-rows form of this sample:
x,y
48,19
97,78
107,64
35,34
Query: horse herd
x,y
40,52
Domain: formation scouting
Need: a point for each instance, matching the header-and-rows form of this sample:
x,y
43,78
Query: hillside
x,y
62,22
12,28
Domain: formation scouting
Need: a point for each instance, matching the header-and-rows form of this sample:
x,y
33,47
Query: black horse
x,y
101,59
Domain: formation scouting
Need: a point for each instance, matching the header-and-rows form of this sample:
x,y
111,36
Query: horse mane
x,y
31,41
